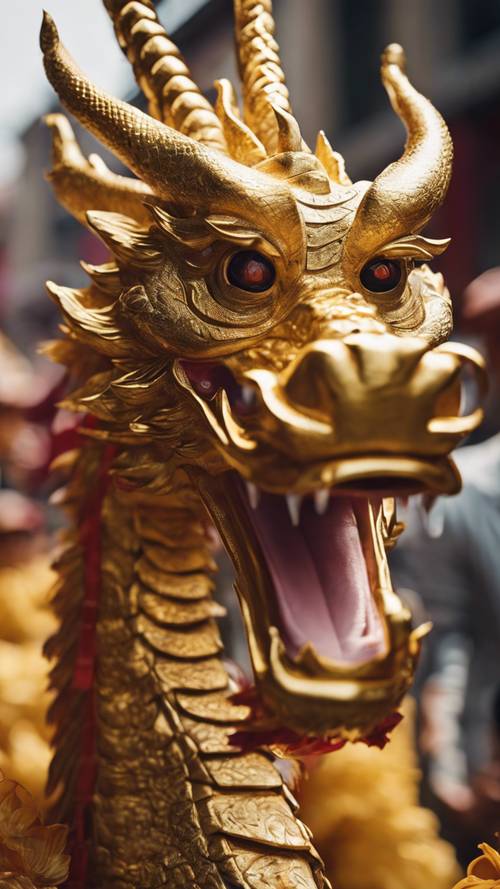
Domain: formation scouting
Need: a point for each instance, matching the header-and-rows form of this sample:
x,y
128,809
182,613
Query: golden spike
x,y
243,145
130,243
332,161
162,73
173,165
289,138
80,183
262,77
106,277
94,327
408,192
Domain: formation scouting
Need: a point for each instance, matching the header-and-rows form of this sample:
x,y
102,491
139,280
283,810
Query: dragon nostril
x,y
471,395
458,405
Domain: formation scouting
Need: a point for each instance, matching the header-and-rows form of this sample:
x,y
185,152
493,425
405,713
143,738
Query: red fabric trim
x,y
84,671
262,731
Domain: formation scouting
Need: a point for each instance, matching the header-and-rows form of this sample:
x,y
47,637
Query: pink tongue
x,y
320,579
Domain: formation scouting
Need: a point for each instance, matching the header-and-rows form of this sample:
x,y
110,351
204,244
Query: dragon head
x,y
271,329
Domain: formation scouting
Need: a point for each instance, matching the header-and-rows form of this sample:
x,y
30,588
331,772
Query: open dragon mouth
x,y
331,645
314,554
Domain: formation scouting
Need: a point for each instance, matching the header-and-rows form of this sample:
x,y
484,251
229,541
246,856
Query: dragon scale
x,y
175,804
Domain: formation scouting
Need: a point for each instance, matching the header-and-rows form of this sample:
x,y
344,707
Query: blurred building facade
x,y
331,51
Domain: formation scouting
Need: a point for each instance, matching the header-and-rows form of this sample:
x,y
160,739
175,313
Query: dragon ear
x,y
80,183
407,193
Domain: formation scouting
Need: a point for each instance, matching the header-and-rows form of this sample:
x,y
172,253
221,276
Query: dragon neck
x,y
156,794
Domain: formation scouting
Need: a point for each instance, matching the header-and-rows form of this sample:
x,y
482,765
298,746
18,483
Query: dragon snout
x,y
368,411
374,395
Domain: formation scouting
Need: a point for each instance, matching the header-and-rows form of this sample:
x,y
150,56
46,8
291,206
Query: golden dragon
x,y
263,353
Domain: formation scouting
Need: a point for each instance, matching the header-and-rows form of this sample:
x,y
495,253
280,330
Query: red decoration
x,y
261,733
84,671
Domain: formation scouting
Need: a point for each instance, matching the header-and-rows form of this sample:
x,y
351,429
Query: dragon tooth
x,y
321,500
253,494
294,502
247,395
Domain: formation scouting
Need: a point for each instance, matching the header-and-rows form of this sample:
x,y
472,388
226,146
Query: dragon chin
x,y
332,646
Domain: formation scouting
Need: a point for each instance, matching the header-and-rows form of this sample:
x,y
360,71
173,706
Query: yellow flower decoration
x,y
31,854
483,872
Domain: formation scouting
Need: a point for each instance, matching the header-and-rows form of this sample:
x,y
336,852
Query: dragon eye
x,y
381,275
251,271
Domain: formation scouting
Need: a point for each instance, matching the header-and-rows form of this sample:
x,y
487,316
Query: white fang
x,y
247,395
253,494
294,502
321,500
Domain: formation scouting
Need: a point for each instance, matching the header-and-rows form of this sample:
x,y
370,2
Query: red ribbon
x,y
84,671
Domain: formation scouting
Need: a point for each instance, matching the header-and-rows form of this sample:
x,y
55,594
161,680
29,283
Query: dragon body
x,y
174,802
259,354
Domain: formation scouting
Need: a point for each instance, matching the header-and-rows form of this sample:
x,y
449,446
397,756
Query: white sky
x,y
86,30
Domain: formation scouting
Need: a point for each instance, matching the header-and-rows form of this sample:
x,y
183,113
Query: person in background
x,y
450,556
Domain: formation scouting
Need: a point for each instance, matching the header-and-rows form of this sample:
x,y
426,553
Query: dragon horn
x,y
407,193
162,73
262,77
173,165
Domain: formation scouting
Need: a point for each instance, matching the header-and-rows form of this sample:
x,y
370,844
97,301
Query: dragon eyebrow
x,y
199,232
238,232
415,247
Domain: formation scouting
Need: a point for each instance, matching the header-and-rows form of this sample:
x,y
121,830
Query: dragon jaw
x,y
331,645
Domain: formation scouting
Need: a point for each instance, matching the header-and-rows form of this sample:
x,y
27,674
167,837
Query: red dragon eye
x,y
251,271
381,275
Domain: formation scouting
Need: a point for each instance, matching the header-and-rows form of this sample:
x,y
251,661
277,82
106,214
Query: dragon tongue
x,y
320,579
